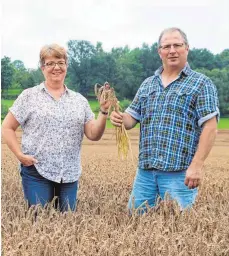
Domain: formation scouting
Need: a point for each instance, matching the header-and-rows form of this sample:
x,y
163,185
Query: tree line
x,y
123,67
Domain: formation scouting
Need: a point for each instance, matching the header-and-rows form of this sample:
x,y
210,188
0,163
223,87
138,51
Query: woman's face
x,y
54,69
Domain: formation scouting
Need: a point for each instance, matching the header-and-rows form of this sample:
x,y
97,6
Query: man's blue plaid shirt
x,y
171,118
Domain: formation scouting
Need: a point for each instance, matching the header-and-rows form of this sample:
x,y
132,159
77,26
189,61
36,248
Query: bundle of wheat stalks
x,y
122,138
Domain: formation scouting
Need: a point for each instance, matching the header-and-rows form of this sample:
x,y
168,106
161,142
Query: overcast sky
x,y
30,24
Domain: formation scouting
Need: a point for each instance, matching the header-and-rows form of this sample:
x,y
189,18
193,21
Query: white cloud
x,y
28,25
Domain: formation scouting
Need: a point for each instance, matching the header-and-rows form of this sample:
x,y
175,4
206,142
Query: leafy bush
x,y
124,104
4,110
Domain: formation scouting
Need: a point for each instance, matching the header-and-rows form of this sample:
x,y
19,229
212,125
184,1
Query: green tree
x,y
7,72
103,68
80,54
37,75
123,68
22,77
150,60
129,71
222,59
19,65
120,52
220,78
201,58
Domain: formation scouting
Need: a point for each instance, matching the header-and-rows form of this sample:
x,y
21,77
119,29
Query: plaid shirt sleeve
x,y
207,103
135,107
20,108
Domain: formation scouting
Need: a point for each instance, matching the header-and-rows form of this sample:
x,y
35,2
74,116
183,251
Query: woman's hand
x,y
104,105
103,101
27,160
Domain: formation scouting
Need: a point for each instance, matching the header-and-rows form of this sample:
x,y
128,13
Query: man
x,y
177,109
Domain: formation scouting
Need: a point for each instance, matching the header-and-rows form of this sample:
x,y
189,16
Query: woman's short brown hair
x,y
52,50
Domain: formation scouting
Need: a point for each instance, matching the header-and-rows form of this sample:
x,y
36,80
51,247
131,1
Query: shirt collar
x,y
186,70
41,87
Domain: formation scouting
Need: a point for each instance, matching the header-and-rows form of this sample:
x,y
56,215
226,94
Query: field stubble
x,y
101,225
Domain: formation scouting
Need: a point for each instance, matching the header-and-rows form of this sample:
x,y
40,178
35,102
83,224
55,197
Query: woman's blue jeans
x,y
151,184
38,190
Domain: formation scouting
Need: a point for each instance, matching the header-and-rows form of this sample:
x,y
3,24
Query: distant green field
x,y
11,93
7,103
223,123
94,105
14,91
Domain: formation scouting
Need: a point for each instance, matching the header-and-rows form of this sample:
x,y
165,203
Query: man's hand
x,y
116,118
27,160
194,176
194,173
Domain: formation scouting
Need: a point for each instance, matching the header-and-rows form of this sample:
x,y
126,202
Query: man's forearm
x,y
206,142
128,121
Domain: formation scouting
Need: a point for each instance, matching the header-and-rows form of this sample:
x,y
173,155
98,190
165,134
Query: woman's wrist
x,y
104,112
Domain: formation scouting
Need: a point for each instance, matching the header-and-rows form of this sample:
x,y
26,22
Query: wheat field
x,y
101,225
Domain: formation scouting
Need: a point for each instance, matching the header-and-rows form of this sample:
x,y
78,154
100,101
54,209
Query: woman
x,y
53,120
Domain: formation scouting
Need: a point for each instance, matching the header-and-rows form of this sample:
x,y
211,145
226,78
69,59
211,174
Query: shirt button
x,y
160,157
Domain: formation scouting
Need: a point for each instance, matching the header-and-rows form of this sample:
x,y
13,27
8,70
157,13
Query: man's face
x,y
173,51
54,69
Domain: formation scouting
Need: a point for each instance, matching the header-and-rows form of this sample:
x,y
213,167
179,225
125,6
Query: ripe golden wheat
x,y
101,226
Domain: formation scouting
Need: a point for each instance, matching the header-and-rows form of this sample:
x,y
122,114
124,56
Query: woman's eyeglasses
x,y
52,64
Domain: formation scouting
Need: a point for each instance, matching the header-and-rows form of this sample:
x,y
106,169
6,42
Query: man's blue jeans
x,y
38,190
151,184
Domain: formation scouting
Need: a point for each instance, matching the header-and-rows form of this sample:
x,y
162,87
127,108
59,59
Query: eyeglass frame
x,y
175,46
56,63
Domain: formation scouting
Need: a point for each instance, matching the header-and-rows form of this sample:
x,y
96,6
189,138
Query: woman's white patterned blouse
x,y
53,130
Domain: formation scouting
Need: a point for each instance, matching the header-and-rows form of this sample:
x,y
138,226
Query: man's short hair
x,y
172,30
